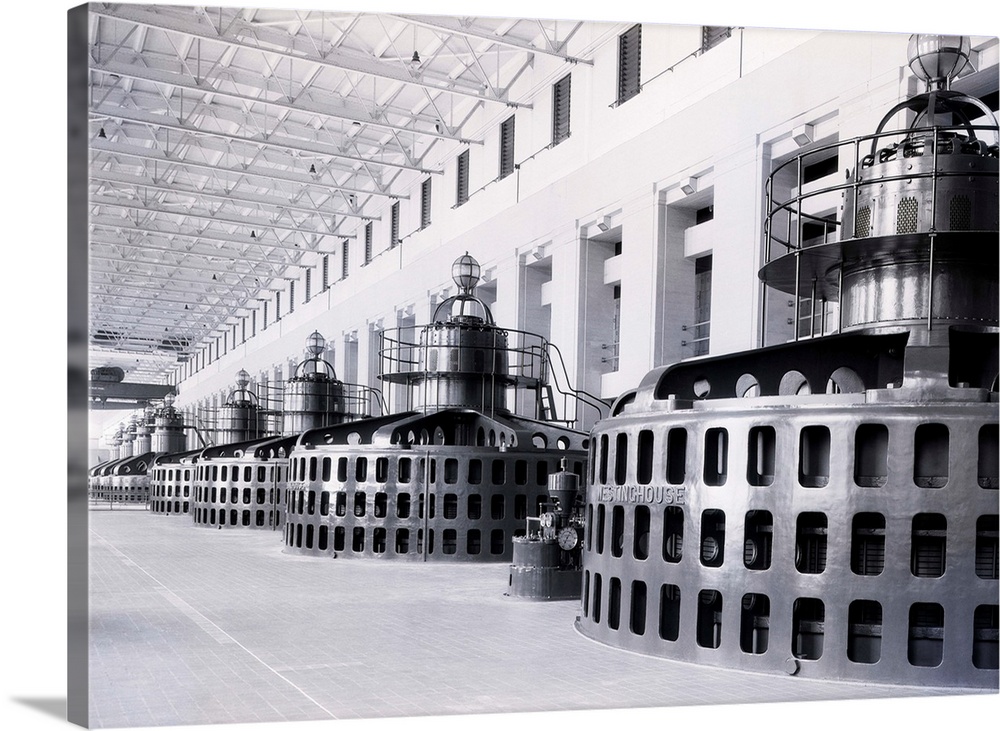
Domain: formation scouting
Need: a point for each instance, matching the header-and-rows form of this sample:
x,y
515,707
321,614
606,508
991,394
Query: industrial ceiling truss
x,y
232,149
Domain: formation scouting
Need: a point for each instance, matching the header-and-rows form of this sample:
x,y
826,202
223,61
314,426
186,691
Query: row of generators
x,y
825,508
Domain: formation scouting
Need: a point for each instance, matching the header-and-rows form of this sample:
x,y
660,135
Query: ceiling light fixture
x,y
312,169
102,135
416,59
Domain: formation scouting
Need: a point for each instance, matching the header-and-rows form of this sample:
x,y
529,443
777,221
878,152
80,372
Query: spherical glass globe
x,y
315,343
242,378
936,58
465,272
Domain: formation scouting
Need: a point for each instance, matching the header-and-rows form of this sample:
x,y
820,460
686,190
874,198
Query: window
x,y
621,458
927,547
614,602
475,507
868,544
560,110
597,598
755,617
871,451
640,533
864,631
709,630
403,505
808,616
757,540
637,616
402,540
930,455
810,543
644,462
926,635
629,57
673,534
716,456
713,35
449,539
345,259
760,456
617,530
676,452
462,179
394,225
702,305
814,456
984,637
425,203
473,542
670,612
506,147
713,537
989,457
986,547
368,242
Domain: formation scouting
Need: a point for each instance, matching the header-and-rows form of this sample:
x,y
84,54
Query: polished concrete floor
x,y
195,626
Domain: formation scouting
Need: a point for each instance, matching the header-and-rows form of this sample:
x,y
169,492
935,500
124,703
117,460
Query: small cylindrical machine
x,y
240,418
144,431
313,397
168,428
128,437
462,356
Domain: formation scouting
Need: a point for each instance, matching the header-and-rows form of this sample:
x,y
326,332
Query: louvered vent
x,y
863,223
906,216
961,213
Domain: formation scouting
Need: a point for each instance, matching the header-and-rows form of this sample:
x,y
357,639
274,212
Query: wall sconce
x,y
604,224
689,185
803,134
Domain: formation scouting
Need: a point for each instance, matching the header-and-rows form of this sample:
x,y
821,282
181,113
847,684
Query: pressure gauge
x,y
568,538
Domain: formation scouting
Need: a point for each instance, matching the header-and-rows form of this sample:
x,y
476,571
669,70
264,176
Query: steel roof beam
x,y
104,202
232,197
110,222
295,146
280,44
270,174
179,265
299,104
457,26
212,254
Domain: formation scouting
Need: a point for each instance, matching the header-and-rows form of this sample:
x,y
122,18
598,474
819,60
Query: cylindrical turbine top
x,y
938,59
465,273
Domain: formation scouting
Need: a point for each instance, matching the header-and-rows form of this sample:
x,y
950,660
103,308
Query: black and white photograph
x,y
434,366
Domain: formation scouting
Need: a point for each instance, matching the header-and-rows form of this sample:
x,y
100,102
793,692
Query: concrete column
x,y
737,245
